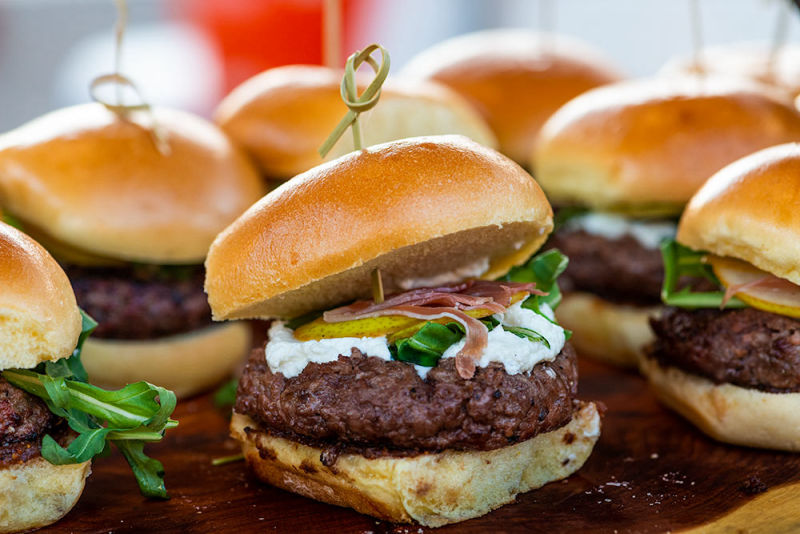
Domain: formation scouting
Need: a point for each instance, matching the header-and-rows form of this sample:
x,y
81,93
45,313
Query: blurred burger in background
x,y
777,67
282,116
514,78
621,161
131,223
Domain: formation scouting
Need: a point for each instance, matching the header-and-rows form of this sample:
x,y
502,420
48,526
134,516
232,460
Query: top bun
x,y
94,182
648,145
745,60
749,210
515,78
417,209
282,116
39,318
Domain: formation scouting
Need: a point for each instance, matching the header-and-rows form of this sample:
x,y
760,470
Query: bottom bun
x,y
431,489
37,493
605,331
729,413
186,363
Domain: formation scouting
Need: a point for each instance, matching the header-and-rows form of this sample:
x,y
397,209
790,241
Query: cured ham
x,y
768,283
755,287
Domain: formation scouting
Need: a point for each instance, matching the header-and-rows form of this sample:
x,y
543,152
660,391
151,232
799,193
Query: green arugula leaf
x,y
57,391
225,460
527,333
149,471
489,322
83,448
680,262
128,417
129,407
428,344
225,396
72,367
544,270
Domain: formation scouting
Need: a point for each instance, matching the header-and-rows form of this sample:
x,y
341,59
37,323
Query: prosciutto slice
x,y
446,301
766,282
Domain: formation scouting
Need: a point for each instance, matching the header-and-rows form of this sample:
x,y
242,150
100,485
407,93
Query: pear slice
x,y
368,327
759,289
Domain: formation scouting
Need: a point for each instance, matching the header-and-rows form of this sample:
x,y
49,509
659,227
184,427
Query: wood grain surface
x,y
650,472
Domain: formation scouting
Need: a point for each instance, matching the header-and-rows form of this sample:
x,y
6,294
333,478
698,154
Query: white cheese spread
x,y
519,355
648,233
289,356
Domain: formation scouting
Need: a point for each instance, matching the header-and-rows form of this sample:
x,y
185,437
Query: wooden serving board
x,y
650,472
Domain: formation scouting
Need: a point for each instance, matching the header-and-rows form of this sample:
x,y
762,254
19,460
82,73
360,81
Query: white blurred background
x,y
189,53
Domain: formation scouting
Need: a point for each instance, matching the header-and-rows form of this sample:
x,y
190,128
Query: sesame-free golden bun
x,y
649,144
515,78
432,489
184,363
751,61
36,493
39,318
606,331
749,210
282,116
417,208
97,183
728,413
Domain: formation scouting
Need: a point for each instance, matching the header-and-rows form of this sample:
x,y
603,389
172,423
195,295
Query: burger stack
x,y
730,363
437,401
131,223
418,365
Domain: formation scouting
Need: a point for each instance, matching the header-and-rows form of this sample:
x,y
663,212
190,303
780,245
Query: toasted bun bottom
x,y
609,332
186,363
37,493
728,413
431,489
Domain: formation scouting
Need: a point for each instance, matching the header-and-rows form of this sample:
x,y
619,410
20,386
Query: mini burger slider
x,y
131,225
729,361
43,464
622,161
283,115
39,321
437,403
514,78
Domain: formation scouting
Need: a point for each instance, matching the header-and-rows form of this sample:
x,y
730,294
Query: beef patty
x,y
619,270
377,407
24,421
140,301
748,347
